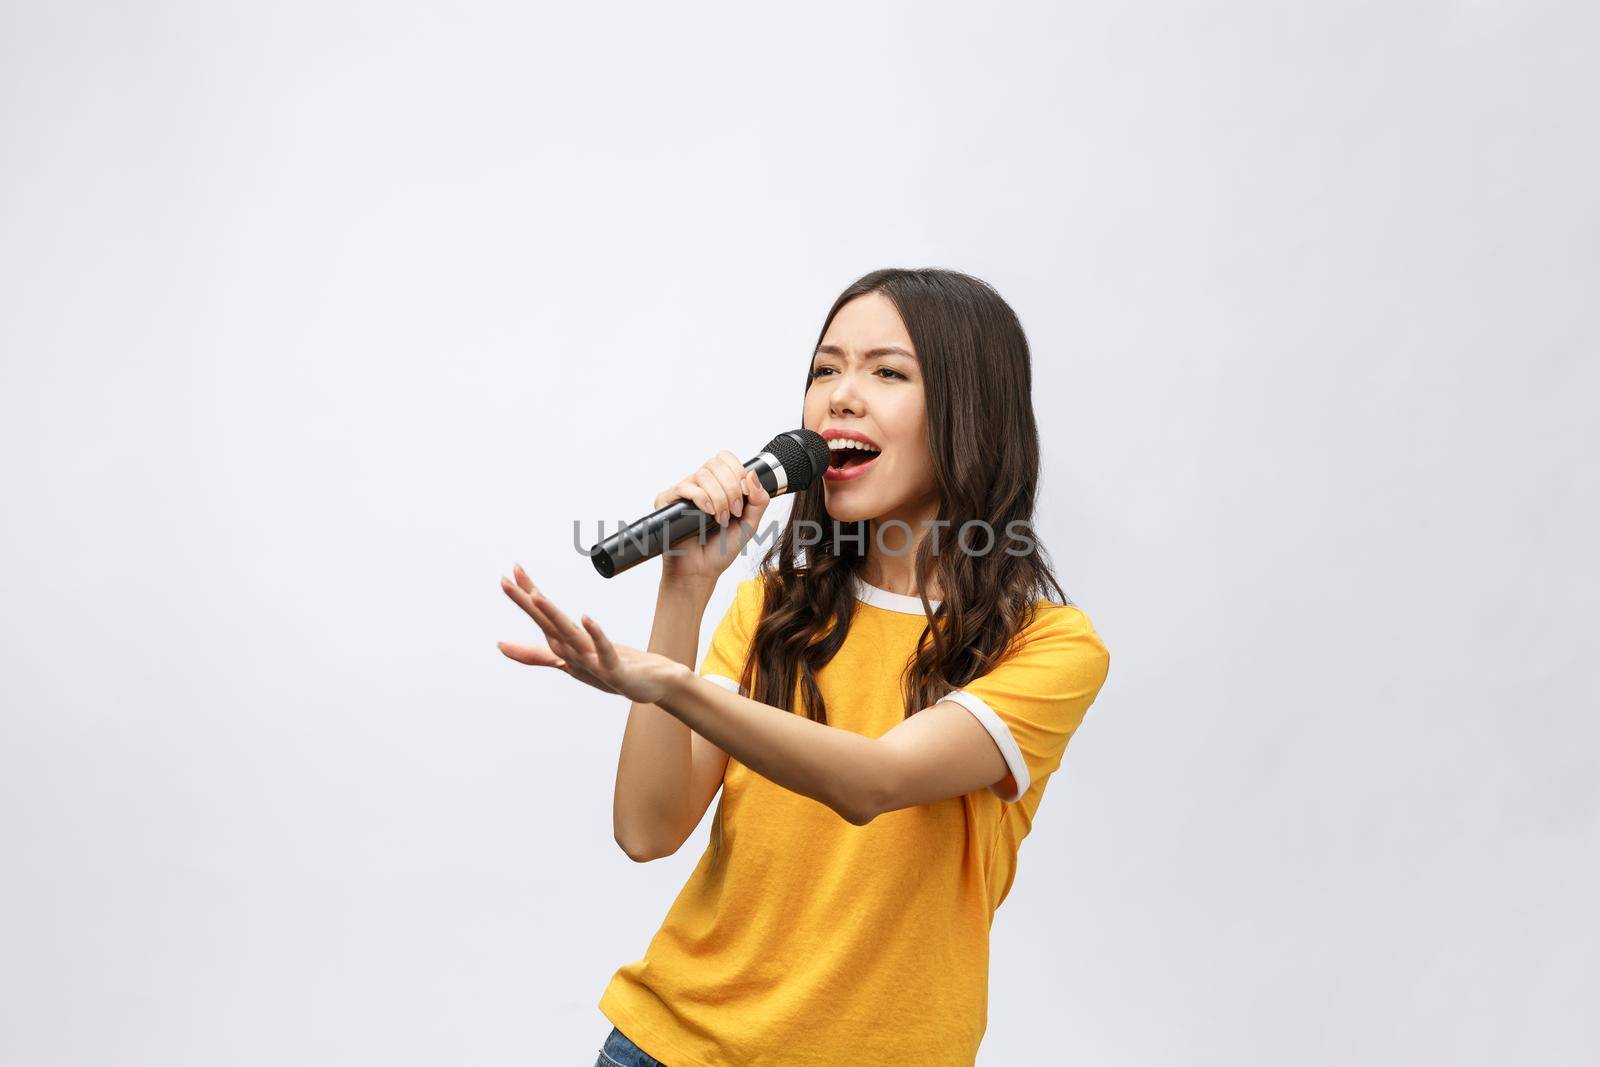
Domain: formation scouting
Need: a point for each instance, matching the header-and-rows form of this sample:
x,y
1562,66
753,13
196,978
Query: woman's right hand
x,y
723,488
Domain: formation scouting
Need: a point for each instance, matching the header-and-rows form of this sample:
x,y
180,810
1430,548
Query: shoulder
x,y
1063,633
1050,617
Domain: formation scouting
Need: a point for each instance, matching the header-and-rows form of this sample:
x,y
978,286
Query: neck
x,y
892,564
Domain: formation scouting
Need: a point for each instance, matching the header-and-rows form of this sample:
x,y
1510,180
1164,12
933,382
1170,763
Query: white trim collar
x,y
882,598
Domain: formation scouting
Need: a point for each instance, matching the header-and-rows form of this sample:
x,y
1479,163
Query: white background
x,y
315,317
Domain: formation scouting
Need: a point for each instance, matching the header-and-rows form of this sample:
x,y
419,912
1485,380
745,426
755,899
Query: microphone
x,y
790,462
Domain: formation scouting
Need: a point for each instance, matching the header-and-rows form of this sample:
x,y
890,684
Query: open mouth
x,y
850,460
842,458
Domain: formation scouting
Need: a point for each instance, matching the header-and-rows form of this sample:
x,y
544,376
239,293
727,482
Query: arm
x,y
946,754
666,774
933,755
939,752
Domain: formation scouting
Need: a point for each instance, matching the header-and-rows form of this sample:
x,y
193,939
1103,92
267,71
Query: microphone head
x,y
803,454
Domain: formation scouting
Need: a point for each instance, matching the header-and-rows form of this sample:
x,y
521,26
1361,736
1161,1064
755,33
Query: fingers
x,y
532,655
583,674
708,479
565,627
689,490
755,507
535,656
754,490
717,488
730,474
571,649
566,639
521,593
602,644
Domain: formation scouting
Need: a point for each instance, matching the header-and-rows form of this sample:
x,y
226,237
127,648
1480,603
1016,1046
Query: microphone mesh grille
x,y
803,454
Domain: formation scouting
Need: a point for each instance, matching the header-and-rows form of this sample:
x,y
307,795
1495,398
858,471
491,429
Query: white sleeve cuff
x,y
1002,737
726,683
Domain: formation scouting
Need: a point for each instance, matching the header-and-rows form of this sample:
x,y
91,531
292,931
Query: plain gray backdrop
x,y
317,317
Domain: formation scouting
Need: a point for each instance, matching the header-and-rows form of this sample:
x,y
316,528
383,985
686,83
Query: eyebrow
x,y
881,350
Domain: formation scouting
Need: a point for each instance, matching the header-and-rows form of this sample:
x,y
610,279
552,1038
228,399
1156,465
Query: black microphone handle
x,y
649,536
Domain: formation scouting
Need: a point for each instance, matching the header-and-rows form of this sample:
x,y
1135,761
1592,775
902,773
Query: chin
x,y
852,511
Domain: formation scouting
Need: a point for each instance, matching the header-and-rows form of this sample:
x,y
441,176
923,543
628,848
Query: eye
x,y
821,371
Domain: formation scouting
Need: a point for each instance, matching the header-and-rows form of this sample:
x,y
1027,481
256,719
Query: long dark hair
x,y
977,381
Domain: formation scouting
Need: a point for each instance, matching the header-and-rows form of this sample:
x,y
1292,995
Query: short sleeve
x,y
1033,700
723,662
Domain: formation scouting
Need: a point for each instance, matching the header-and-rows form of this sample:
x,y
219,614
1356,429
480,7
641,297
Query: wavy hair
x,y
984,440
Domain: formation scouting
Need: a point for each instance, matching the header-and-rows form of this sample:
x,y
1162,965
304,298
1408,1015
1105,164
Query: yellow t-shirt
x,y
802,940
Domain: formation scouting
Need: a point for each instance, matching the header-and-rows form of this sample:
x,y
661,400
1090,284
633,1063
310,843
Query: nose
x,y
844,397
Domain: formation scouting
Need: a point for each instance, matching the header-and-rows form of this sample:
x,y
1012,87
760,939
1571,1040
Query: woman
x,y
893,687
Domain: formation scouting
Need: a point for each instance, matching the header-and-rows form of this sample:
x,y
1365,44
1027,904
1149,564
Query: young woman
x,y
881,707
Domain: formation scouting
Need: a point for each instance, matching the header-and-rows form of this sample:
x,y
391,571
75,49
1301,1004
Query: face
x,y
866,383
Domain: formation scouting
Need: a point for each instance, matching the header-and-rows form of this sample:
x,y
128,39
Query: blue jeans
x,y
618,1051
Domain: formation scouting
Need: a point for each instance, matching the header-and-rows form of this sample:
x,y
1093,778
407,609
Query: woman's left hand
x,y
585,653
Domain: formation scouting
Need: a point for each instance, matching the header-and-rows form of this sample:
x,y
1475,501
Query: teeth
x,y
837,444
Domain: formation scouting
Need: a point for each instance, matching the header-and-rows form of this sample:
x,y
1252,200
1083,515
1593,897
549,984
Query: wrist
x,y
677,680
695,589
